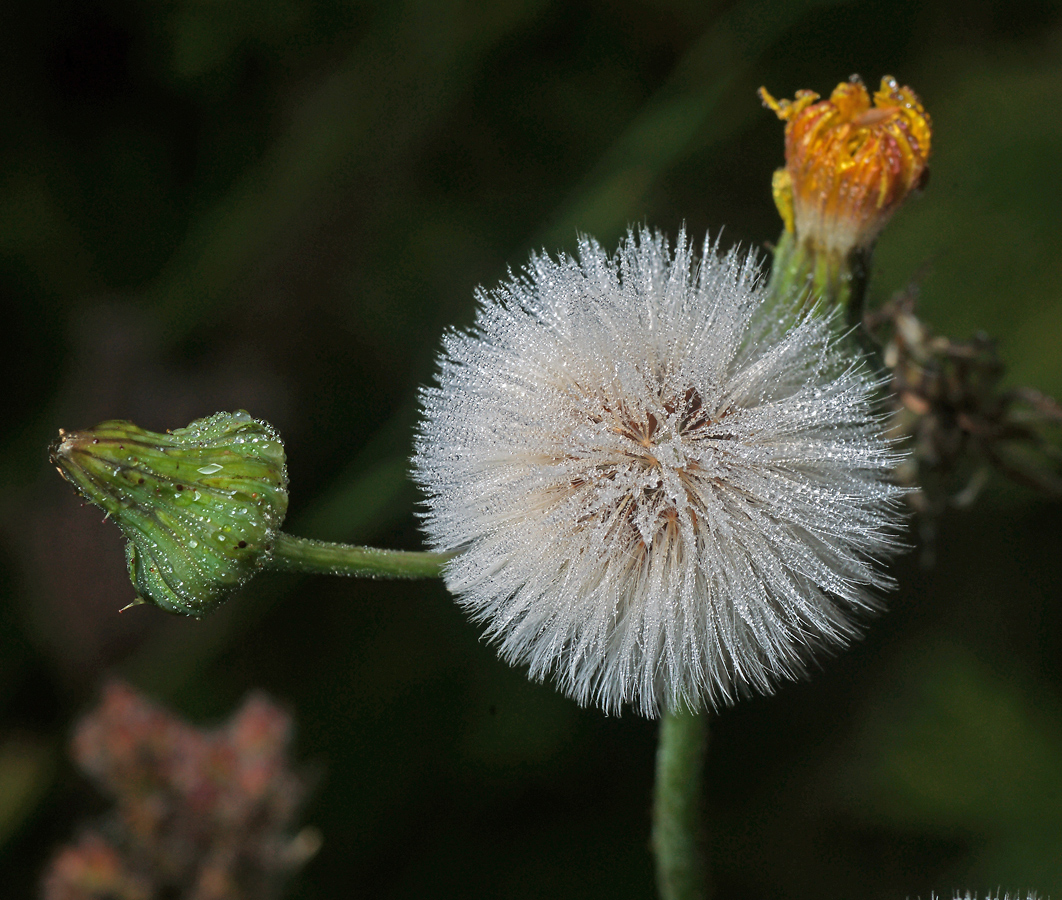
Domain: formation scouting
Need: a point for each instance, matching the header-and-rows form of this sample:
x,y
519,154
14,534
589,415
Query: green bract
x,y
201,505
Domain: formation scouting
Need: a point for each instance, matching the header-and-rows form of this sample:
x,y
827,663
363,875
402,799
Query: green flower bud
x,y
201,506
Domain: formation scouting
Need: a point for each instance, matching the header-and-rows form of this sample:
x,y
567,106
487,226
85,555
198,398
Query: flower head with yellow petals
x,y
850,163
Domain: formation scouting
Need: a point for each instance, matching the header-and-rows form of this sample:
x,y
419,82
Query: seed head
x,y
660,494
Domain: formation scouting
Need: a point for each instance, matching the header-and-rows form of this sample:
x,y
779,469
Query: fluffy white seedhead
x,y
991,896
659,495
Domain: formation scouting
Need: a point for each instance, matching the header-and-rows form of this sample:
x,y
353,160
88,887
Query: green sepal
x,y
201,505
805,275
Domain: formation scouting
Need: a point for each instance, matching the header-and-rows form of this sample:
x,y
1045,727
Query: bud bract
x,y
201,505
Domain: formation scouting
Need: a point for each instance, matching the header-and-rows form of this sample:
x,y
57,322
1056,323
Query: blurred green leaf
x,y
987,227
26,767
960,750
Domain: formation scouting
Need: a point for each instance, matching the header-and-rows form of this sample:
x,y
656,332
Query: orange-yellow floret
x,y
849,164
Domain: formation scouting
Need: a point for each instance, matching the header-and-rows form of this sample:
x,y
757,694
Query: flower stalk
x,y
801,274
678,807
295,554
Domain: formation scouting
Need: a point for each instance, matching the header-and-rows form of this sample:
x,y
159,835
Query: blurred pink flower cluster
x,y
199,815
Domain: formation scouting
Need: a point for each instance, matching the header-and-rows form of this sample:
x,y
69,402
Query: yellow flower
x,y
849,164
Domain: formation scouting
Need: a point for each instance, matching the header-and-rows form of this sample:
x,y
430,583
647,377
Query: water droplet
x,y
209,469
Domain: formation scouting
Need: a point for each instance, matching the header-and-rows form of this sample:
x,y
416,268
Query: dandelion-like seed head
x,y
659,494
991,896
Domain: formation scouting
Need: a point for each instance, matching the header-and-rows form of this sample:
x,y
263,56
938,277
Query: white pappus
x,y
658,493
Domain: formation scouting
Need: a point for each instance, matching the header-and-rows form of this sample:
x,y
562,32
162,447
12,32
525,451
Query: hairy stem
x,y
678,829
295,554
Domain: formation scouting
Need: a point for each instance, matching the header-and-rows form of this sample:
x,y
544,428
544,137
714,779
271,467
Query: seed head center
x,y
648,484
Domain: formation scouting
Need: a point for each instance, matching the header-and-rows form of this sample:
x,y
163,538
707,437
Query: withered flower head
x,y
849,164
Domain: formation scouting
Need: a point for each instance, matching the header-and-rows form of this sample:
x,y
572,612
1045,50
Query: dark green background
x,y
280,204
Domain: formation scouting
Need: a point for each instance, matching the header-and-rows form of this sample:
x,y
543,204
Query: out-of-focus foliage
x,y
280,205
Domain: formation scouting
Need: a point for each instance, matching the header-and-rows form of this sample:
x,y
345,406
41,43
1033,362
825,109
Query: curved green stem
x,y
678,828
295,554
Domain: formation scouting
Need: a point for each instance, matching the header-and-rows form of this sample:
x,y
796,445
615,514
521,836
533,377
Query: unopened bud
x,y
201,505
